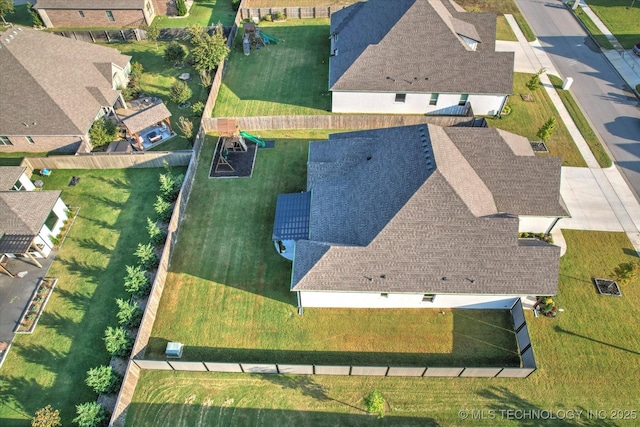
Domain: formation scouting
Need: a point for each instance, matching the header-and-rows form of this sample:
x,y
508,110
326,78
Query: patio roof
x,y
15,243
292,216
147,117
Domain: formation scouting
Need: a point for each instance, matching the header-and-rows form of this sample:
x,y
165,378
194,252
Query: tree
x,y
137,282
146,255
90,414
6,7
102,132
129,315
374,403
46,417
534,81
175,52
209,51
180,92
153,32
626,272
163,209
196,32
545,132
156,235
35,17
102,379
117,341
170,185
197,107
181,7
186,126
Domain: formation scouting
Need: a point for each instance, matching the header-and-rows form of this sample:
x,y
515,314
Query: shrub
x,y
545,132
102,132
46,417
186,127
181,7
533,83
90,414
148,258
136,71
235,4
276,15
156,235
180,92
374,403
197,108
163,209
117,341
137,282
175,52
35,17
103,380
129,315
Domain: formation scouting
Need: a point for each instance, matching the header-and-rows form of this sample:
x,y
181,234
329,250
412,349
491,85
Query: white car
x,y
636,49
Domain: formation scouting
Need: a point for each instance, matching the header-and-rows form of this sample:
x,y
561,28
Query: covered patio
x,y
149,126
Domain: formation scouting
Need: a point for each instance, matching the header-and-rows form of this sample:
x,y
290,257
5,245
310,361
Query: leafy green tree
x,y
181,7
156,235
374,402
117,341
209,51
180,92
175,52
163,209
148,258
129,314
136,71
534,81
545,132
6,7
102,132
153,32
102,379
35,16
136,281
46,417
90,414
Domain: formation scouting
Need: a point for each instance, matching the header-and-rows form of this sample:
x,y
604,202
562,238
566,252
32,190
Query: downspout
x,y
300,309
506,98
553,224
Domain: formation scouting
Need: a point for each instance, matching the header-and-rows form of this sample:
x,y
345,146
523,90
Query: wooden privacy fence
x,y
289,12
336,121
142,159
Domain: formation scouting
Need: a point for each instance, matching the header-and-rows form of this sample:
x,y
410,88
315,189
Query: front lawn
x,y
288,78
50,365
526,118
202,12
501,7
587,359
621,19
595,32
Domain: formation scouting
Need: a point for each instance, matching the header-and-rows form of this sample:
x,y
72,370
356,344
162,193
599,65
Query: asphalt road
x,y
602,94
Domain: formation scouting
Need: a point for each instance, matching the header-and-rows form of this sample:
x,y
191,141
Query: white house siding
x,y
535,224
404,300
27,185
415,103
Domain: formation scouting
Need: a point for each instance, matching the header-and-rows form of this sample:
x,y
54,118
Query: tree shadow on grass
x,y
76,299
64,326
9,388
118,183
39,355
93,245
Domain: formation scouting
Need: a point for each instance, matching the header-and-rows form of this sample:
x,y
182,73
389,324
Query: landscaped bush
x,y
103,380
156,235
170,186
46,417
102,132
163,209
148,258
90,414
117,341
181,7
374,402
175,52
545,132
129,315
137,282
180,92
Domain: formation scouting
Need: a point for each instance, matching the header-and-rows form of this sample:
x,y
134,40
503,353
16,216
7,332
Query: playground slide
x,y
254,139
268,39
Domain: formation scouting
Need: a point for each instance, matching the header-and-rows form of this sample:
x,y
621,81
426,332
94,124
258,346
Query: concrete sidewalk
x,y
597,199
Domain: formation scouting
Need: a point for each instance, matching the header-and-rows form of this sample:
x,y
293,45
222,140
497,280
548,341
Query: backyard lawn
x,y
202,12
621,19
288,78
49,366
233,288
587,359
526,118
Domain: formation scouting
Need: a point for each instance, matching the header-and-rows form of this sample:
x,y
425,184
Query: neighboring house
x,y
416,57
99,13
30,219
53,88
421,216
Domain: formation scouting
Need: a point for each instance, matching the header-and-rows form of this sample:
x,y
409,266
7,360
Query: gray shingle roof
x,y
25,212
379,213
416,45
9,175
53,84
147,117
89,4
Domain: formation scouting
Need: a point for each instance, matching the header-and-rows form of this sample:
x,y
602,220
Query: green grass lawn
x,y
233,288
288,78
503,30
526,119
620,19
157,78
587,360
49,366
14,158
500,7
600,38
582,123
202,12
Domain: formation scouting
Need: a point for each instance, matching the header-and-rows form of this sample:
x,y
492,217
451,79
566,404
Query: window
x,y
5,141
384,295
400,98
434,99
149,8
110,16
428,297
51,221
30,140
81,13
463,100
17,186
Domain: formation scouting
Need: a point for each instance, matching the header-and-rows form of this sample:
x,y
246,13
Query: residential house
x,y
422,216
30,219
54,88
416,57
99,13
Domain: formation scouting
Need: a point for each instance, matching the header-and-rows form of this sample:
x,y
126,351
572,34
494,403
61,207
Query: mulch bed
x,y
526,97
607,287
539,146
241,162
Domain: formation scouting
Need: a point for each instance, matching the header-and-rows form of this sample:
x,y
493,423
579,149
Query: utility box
x,y
567,83
174,350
